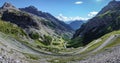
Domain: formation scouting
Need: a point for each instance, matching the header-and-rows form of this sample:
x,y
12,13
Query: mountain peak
x,y
106,21
114,2
31,7
7,5
112,5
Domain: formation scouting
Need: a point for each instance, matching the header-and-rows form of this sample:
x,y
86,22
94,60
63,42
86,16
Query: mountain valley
x,y
28,35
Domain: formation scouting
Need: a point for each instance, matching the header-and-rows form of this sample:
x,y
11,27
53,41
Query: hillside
x,y
45,30
28,35
58,24
14,50
107,20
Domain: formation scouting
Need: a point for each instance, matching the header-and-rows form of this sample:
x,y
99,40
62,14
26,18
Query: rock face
x,y
8,6
21,19
107,20
76,24
58,24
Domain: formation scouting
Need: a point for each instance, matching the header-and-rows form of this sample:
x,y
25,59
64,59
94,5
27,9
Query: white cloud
x,y
64,18
78,2
92,14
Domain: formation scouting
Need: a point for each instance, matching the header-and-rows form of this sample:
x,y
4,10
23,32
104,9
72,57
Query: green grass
x,y
91,48
34,35
31,56
77,42
93,45
11,29
15,31
57,60
106,13
114,43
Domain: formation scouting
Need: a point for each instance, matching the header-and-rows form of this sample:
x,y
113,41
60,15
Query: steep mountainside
x,y
76,24
42,31
107,20
58,24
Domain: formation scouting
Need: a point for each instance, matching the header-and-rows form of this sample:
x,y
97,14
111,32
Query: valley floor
x,y
12,51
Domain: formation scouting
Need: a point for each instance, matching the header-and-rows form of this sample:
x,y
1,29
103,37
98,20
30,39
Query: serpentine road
x,y
108,41
24,48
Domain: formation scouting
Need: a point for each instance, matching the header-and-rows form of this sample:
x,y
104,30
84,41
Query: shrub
x,y
75,42
47,40
56,43
9,28
34,35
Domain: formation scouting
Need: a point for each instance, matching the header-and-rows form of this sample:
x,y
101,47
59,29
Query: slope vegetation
x,y
107,20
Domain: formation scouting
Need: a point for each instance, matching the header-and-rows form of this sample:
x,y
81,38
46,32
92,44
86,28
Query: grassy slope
x,y
94,45
18,33
91,46
11,29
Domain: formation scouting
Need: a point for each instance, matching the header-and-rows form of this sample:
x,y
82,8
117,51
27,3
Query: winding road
x,y
11,42
108,41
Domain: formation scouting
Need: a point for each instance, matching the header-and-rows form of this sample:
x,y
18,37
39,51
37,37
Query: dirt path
x,y
108,41
14,44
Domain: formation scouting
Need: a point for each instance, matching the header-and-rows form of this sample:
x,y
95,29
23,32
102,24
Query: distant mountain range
x,y
77,24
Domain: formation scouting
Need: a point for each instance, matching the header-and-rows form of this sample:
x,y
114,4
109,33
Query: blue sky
x,y
64,9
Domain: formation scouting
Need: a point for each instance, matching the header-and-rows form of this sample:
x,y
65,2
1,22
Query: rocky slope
x,y
107,20
58,24
37,25
16,45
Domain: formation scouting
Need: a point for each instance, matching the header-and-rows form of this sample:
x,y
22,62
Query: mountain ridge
x,y
107,20
28,38
42,30
35,11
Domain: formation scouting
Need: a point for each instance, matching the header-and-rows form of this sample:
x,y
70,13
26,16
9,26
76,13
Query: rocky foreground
x,y
108,56
12,51
8,55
